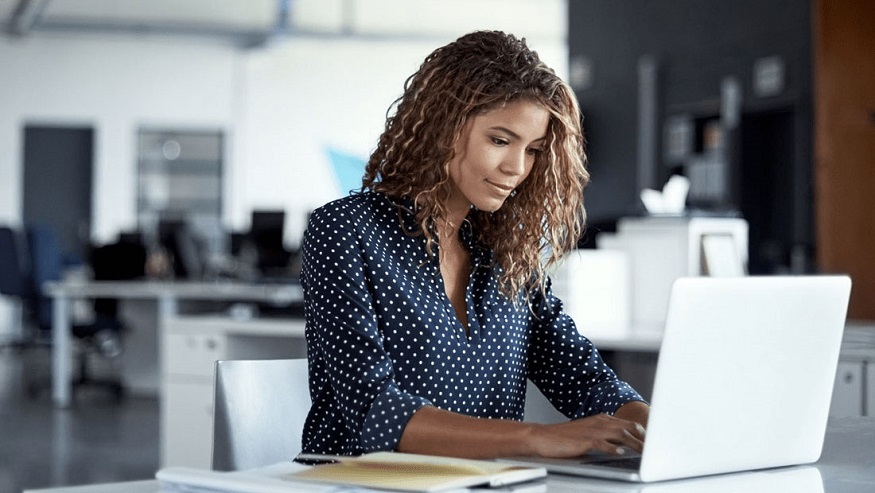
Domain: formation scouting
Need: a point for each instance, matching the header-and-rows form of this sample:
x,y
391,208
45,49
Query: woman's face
x,y
495,154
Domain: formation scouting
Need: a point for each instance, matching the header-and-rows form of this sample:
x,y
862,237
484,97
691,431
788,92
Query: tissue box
x,y
594,287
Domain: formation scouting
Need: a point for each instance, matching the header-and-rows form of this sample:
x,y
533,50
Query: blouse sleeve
x,y
567,368
342,326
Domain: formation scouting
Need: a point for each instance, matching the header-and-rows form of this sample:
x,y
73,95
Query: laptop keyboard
x,y
630,463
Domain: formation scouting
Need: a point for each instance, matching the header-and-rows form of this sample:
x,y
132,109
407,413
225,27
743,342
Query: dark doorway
x,y
766,188
57,183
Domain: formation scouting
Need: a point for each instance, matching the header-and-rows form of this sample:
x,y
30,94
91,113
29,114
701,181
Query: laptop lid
x,y
745,374
743,381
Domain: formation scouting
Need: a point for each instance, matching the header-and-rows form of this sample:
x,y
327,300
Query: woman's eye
x,y
535,151
498,141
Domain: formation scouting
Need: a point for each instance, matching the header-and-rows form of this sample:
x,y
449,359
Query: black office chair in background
x,y
102,337
120,261
15,284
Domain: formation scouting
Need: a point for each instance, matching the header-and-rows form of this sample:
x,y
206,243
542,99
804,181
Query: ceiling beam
x,y
25,16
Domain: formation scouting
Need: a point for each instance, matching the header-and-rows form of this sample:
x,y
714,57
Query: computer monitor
x,y
267,227
266,234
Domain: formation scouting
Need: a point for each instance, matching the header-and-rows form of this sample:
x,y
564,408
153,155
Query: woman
x,y
426,298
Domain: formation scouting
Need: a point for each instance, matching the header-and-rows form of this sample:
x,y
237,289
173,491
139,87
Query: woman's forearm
x,y
636,411
435,431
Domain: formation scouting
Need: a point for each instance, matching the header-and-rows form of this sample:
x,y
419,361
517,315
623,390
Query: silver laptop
x,y
744,379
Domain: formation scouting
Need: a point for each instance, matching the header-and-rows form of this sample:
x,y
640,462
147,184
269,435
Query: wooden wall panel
x,y
844,98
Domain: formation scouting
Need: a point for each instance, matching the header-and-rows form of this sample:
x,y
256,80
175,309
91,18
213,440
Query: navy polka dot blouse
x,y
383,339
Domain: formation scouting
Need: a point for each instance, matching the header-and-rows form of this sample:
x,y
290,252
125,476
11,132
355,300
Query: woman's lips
x,y
502,187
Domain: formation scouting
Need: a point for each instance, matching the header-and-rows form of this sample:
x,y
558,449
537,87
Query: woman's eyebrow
x,y
513,134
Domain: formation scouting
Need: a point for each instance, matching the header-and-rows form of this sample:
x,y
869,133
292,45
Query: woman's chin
x,y
489,205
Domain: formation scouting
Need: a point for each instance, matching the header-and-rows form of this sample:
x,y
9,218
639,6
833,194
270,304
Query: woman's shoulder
x,y
355,203
358,210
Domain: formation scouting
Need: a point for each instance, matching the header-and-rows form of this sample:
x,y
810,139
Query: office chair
x,y
100,337
15,284
260,409
120,261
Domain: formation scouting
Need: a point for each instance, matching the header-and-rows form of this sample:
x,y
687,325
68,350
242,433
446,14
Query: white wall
x,y
114,85
302,95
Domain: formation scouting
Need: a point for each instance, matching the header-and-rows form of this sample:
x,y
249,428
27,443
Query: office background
x,y
286,83
268,90
280,103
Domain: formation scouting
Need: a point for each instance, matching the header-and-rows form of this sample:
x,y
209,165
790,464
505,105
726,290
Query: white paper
x,y
671,200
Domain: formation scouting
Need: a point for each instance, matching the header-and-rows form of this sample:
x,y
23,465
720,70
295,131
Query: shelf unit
x,y
180,177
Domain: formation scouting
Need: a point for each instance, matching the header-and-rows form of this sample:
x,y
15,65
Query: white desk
x,y
847,466
167,295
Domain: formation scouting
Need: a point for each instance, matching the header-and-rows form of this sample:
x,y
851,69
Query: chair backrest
x,y
13,268
119,261
260,408
47,264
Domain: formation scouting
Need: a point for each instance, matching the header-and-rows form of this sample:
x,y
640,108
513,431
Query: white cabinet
x,y
187,396
661,249
190,348
187,423
854,391
193,354
870,388
847,395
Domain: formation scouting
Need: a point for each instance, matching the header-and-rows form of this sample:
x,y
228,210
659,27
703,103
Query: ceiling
x,y
251,23
242,21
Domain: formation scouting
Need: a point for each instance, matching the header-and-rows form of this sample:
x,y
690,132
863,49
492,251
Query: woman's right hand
x,y
602,433
434,431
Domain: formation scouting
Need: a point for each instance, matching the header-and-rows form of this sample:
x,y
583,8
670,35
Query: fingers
x,y
602,433
635,430
617,436
622,443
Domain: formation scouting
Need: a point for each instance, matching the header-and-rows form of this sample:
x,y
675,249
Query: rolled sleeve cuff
x,y
607,398
388,417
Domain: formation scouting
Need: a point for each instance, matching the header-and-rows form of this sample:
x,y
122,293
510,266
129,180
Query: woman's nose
x,y
515,163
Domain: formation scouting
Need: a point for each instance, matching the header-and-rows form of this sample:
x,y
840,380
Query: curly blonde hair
x,y
479,72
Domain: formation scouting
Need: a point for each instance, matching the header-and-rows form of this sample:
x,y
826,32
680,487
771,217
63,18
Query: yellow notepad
x,y
412,472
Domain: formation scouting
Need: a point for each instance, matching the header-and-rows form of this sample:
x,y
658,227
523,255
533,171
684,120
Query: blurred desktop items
x,y
180,249
661,249
266,234
183,248
260,253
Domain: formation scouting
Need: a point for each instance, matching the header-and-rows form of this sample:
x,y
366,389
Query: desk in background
x,y
166,294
